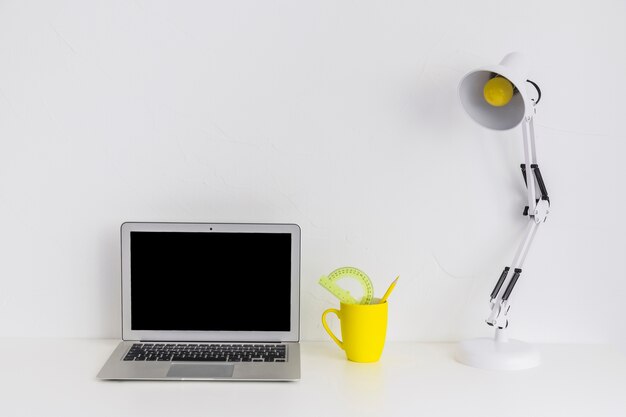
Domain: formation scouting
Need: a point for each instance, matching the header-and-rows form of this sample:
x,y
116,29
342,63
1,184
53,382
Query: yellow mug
x,y
363,329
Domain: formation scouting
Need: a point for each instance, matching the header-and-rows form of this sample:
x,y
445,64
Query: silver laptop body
x,y
192,288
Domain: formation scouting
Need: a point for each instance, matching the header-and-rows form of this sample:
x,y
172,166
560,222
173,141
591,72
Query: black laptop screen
x,y
210,281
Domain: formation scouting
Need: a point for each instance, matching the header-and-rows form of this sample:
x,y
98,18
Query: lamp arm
x,y
501,293
538,206
537,211
530,159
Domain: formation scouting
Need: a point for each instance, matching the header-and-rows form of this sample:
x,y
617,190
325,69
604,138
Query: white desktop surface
x,y
56,377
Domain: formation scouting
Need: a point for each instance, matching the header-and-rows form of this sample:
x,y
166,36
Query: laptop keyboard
x,y
206,352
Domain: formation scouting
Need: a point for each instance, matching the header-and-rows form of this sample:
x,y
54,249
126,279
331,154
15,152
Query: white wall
x,y
341,116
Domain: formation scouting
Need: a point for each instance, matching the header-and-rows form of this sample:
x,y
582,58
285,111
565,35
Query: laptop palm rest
x,y
196,370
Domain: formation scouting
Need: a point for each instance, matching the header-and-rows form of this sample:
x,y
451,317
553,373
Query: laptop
x,y
209,302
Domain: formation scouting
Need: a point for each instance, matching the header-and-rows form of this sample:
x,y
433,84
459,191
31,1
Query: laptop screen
x,y
195,281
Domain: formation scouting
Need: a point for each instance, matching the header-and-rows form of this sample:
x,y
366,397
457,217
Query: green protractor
x,y
330,283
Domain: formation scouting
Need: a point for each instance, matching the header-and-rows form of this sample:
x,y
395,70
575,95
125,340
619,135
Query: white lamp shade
x,y
506,117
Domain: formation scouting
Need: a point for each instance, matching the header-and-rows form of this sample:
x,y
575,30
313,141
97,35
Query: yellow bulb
x,y
498,91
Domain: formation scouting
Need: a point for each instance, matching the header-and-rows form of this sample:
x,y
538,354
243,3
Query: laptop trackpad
x,y
198,370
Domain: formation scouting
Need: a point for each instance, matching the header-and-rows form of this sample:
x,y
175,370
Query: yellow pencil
x,y
391,287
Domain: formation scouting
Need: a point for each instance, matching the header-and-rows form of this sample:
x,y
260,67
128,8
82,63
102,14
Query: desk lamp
x,y
495,97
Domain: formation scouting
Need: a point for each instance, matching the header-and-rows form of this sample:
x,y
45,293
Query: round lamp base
x,y
489,353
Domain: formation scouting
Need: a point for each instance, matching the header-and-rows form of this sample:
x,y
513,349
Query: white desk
x,y
43,377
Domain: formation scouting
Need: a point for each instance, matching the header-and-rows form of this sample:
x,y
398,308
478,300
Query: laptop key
x,y
206,352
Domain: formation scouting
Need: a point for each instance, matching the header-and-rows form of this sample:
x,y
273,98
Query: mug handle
x,y
330,333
